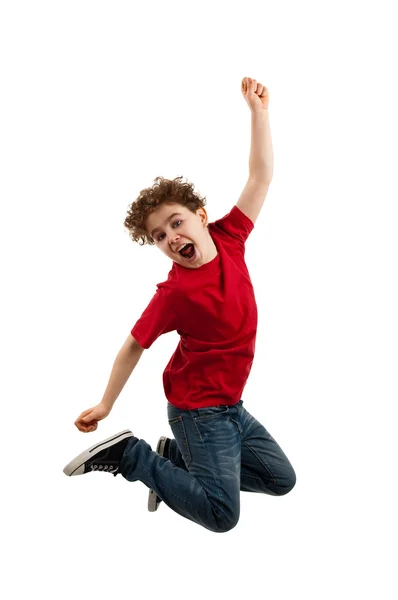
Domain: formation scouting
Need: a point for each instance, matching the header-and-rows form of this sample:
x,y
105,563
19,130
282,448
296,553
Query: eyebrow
x,y
168,219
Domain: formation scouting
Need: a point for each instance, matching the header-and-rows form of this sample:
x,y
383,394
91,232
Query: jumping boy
x,y
218,448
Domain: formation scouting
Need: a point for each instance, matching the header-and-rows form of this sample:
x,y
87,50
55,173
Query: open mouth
x,y
188,251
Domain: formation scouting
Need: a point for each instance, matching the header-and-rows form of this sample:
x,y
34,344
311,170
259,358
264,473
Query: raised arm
x,y
261,160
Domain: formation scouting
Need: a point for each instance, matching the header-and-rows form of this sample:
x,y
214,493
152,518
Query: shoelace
x,y
110,469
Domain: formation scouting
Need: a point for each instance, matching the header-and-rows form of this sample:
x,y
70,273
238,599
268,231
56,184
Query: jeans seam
x,y
217,486
176,420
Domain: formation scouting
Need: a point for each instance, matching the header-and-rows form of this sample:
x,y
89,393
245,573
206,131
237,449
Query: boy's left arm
x,y
261,161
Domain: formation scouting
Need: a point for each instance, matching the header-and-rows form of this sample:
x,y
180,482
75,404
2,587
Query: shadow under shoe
x,y
104,456
163,450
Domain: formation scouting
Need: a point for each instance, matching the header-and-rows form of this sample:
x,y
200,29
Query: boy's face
x,y
185,227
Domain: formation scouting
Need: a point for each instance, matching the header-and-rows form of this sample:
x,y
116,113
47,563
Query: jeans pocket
x,y
211,412
180,436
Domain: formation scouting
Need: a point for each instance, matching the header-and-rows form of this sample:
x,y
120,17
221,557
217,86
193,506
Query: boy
x,y
218,448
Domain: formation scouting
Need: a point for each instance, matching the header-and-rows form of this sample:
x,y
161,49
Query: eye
x,y
160,236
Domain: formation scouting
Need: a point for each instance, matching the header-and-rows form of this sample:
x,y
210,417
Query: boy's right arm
x,y
125,362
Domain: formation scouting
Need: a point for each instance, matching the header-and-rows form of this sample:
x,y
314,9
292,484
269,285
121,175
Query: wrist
x,y
106,405
259,111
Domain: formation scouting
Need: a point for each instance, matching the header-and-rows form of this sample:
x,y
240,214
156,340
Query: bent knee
x,y
226,522
226,526
288,484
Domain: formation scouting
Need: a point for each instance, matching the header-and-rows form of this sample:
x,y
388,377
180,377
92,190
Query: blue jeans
x,y
216,453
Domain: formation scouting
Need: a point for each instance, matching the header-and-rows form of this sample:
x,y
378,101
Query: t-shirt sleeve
x,y
236,224
159,317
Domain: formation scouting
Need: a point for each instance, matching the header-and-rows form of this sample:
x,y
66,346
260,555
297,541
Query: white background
x,y
98,99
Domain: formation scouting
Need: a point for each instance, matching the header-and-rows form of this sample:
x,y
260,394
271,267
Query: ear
x,y
203,214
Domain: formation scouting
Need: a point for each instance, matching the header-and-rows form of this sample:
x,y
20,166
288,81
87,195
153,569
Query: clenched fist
x,y
88,420
255,94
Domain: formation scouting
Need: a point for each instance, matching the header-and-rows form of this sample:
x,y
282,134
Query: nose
x,y
173,239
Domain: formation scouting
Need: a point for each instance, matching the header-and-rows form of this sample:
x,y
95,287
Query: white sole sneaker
x,y
103,456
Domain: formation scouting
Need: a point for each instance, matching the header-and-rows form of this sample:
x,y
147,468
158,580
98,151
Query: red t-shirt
x,y
213,309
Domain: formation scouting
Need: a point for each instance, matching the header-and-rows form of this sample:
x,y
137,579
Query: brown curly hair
x,y
149,199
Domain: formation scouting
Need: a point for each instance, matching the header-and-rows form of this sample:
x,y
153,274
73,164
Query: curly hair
x,y
149,199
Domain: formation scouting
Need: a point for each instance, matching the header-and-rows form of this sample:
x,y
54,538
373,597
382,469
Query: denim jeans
x,y
216,453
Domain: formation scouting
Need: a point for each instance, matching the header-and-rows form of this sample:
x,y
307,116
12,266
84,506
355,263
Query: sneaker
x,y
103,456
163,450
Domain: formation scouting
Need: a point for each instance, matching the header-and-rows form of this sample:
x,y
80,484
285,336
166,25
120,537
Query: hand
x,y
88,420
255,94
